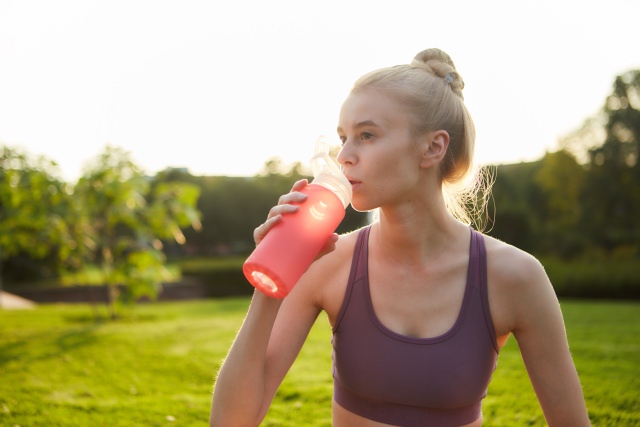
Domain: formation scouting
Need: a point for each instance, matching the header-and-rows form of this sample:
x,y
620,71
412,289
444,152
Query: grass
x,y
58,367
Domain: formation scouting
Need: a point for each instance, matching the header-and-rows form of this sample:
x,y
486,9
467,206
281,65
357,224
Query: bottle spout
x,y
321,161
327,172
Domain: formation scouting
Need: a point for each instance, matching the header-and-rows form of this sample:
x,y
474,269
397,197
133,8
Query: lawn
x,y
59,367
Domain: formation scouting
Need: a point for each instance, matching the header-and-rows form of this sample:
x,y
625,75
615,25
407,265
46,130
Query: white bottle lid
x,y
326,172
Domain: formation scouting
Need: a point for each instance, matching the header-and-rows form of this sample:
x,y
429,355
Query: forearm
x,y
239,393
565,406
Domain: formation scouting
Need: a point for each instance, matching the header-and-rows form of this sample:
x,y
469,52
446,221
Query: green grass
x,y
58,367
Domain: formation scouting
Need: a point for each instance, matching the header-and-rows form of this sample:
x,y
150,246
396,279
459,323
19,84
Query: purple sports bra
x,y
404,381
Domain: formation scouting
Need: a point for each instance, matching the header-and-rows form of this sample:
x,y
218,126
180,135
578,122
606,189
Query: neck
x,y
419,231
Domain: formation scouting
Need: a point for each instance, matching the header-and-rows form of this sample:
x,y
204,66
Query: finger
x,y
263,229
300,184
329,246
293,197
281,210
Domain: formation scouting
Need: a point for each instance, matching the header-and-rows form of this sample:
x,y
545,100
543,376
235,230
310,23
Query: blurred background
x,y
141,142
221,87
142,136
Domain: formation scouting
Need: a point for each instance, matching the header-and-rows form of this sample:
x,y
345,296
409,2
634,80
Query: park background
x,y
131,238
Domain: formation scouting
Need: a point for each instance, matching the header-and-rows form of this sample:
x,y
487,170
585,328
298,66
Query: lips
x,y
354,182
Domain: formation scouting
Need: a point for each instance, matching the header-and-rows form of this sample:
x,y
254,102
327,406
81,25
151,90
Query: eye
x,y
366,135
343,139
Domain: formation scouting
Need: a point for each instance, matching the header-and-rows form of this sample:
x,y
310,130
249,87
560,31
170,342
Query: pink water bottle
x,y
290,246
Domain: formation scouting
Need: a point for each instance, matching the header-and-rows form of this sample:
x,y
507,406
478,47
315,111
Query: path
x,y
14,302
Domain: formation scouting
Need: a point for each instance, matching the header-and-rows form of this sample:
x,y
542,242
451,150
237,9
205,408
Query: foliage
x,y
58,367
126,220
223,276
584,198
598,276
514,197
613,199
578,203
37,213
232,207
561,182
595,277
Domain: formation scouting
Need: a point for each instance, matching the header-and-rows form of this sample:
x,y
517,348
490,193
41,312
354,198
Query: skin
x,y
418,264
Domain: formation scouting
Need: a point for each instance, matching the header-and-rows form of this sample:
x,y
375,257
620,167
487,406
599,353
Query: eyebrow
x,y
361,124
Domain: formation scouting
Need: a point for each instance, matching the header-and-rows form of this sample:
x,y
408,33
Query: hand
x,y
285,205
329,246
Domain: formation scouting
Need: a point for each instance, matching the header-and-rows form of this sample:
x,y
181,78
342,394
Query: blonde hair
x,y
431,87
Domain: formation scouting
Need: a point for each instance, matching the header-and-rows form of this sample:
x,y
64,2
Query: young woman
x,y
419,302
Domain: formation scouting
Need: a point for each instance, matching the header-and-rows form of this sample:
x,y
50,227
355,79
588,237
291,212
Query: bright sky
x,y
220,87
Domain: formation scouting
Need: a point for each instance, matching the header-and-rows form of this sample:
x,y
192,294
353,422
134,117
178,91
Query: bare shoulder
x,y
509,266
326,279
518,285
327,266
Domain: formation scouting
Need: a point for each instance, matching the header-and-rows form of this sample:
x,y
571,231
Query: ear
x,y
435,147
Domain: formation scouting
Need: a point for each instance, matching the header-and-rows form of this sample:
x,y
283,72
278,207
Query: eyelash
x,y
363,136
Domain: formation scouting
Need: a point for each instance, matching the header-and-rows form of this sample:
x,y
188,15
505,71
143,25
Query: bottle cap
x,y
326,172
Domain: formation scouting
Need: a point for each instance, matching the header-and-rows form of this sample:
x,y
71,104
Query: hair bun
x,y
440,64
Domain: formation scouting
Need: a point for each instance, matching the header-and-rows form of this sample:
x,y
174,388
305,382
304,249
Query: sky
x,y
221,87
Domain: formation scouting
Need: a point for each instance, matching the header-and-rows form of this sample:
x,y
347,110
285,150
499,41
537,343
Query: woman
x,y
419,302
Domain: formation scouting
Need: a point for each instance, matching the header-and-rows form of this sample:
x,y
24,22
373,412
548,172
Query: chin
x,y
359,206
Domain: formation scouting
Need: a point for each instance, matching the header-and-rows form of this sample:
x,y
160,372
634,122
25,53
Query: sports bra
x,y
404,381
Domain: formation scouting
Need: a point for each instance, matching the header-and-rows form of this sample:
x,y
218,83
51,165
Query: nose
x,y
345,156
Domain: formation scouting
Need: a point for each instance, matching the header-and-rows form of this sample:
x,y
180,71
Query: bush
x,y
614,279
618,279
222,276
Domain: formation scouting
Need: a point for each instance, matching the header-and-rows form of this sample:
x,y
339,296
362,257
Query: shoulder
x,y
341,256
518,285
326,279
510,266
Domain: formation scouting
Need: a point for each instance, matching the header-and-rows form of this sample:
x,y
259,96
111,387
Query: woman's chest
x,y
417,303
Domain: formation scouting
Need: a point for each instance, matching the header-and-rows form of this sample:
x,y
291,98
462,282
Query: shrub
x,y
618,279
222,276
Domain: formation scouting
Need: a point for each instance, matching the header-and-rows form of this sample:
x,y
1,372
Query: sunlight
x,y
222,89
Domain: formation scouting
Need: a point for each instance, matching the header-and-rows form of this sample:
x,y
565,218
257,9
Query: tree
x,y
128,218
34,210
232,207
560,180
612,195
514,210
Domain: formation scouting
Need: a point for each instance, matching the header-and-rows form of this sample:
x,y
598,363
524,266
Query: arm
x,y
239,388
541,336
268,342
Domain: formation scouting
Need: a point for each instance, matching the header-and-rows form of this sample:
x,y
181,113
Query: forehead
x,y
372,105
